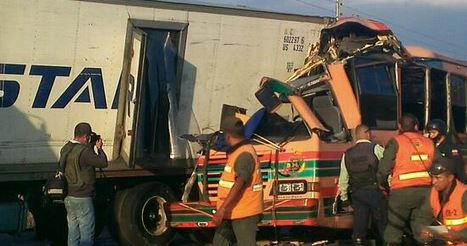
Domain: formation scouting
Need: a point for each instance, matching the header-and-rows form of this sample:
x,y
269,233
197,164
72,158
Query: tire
x,y
142,219
116,213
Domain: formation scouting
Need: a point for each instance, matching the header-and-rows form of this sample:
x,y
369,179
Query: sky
x,y
439,25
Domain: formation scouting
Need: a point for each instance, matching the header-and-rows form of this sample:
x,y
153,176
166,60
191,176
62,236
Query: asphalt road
x,y
29,239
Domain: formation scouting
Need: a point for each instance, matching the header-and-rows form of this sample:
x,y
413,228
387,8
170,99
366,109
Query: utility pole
x,y
338,9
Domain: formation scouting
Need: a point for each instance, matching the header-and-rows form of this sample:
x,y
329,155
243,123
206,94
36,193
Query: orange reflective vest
x,y
413,160
251,201
453,213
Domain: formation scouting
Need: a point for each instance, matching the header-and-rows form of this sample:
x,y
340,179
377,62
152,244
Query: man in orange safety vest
x,y
447,206
240,190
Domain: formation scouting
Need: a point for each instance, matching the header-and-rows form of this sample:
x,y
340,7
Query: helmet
x,y
443,164
437,124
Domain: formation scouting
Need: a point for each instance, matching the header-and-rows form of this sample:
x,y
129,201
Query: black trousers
x,y
368,203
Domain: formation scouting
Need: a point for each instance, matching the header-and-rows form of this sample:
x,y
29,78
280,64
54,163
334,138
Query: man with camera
x,y
79,163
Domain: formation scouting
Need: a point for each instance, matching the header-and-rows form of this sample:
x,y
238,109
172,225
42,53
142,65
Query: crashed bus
x,y
141,73
359,72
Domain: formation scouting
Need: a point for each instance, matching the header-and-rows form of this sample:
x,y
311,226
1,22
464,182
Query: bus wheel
x,y
143,219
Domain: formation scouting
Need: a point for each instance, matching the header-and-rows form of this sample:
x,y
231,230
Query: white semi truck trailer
x,y
142,73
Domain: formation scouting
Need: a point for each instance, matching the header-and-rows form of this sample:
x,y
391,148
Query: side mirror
x,y
269,92
268,99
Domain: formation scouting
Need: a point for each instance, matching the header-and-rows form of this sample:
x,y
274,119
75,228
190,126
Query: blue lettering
x,y
93,74
49,73
84,97
17,69
117,94
10,88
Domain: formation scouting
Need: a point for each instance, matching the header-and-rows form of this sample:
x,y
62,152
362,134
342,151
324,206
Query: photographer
x,y
80,161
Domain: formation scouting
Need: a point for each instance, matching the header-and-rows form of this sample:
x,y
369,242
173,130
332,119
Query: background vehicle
x,y
141,73
358,73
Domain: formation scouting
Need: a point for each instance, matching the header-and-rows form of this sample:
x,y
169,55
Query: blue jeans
x,y
368,203
80,217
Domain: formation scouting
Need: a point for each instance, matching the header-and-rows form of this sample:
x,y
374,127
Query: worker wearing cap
x,y
240,189
407,157
437,131
447,205
358,170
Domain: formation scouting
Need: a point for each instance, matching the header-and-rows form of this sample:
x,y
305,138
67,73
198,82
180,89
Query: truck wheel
x,y
142,218
116,213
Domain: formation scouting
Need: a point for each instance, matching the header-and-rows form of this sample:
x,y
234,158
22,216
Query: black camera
x,y
93,137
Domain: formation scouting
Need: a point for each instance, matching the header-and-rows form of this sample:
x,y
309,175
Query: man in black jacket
x,y
79,163
437,131
358,170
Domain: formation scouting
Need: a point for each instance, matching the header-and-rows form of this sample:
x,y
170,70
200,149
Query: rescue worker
x,y
359,165
240,190
407,157
437,131
447,205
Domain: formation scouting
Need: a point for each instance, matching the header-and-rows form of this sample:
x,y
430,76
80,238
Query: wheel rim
x,y
153,216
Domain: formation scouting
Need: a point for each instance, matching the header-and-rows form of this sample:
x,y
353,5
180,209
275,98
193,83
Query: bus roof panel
x,y
373,25
439,61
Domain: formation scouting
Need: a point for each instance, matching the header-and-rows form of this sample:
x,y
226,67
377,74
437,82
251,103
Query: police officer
x,y
447,205
437,131
240,190
358,170
407,157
